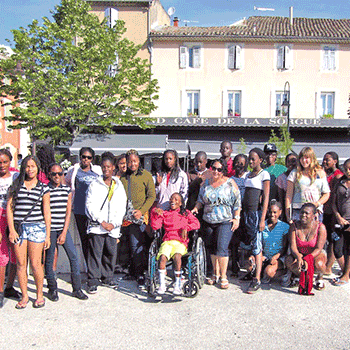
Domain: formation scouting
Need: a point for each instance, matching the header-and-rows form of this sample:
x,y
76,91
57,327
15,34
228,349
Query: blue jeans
x,y
252,220
218,237
71,252
137,248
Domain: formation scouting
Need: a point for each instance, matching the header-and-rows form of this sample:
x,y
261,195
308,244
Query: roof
x,y
266,28
120,1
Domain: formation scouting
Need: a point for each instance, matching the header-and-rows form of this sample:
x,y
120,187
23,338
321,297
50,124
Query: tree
x,y
74,73
283,142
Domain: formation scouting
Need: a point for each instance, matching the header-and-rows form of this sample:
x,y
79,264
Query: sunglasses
x,y
86,157
59,173
220,170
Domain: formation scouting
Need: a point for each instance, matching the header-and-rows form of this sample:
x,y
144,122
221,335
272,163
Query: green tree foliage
x,y
283,142
62,78
242,147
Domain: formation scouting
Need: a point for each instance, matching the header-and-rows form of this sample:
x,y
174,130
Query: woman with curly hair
x,y
306,184
29,221
170,180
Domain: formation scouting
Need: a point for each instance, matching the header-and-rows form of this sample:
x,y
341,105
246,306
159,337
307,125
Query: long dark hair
x,y
18,183
46,155
175,171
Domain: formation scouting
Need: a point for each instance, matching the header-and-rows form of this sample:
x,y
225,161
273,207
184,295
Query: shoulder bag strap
x,y
36,202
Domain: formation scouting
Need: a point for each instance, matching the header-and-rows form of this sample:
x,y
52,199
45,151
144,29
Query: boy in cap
x,y
272,168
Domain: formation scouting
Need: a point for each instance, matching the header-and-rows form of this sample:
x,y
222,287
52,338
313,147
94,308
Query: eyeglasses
x,y
220,170
59,173
86,157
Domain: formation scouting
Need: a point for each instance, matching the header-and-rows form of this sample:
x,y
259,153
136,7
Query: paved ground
x,y
273,318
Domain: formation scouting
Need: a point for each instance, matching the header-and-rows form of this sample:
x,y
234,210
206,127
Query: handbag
x,y
129,215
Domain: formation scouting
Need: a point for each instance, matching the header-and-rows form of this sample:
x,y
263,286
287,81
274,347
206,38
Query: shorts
x,y
33,232
6,248
252,220
170,248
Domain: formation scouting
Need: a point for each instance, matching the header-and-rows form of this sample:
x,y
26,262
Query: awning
x,y
118,144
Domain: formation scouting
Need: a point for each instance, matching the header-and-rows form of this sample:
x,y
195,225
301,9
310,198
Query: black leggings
x,y
341,244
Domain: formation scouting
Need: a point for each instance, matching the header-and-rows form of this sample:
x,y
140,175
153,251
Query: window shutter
x,y
112,16
183,56
280,57
231,57
238,57
287,57
196,57
332,59
108,16
325,58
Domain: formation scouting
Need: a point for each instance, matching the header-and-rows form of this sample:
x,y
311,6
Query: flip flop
x,y
339,282
21,305
38,304
212,280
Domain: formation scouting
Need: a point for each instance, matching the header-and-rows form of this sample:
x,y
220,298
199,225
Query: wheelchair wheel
x,y
190,289
152,269
201,262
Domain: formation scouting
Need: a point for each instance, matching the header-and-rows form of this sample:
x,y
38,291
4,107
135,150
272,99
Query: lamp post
x,y
286,101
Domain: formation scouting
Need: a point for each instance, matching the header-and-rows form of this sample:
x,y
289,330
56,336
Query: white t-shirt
x,y
253,189
5,183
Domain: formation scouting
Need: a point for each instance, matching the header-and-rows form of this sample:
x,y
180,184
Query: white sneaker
x,y
177,289
161,289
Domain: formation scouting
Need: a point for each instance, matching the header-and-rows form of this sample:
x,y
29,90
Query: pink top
x,y
306,247
174,223
42,177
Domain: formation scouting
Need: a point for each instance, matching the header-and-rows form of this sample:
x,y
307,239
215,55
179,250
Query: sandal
x,y
338,282
320,285
39,304
21,304
212,280
224,283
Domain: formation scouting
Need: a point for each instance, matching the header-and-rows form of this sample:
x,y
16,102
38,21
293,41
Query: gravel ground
x,y
273,318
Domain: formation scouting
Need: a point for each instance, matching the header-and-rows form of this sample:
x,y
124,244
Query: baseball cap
x,y
270,147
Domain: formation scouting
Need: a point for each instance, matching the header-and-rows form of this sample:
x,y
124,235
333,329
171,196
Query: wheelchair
x,y
194,265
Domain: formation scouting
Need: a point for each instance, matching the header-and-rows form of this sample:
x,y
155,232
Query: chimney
x,y
291,15
176,22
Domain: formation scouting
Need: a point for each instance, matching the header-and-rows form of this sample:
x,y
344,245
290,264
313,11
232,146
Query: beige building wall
x,y
258,79
138,21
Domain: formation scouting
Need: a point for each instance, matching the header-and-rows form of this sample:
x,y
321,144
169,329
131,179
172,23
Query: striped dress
x,y
58,205
25,201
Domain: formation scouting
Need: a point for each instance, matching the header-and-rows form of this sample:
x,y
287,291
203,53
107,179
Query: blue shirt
x,y
82,181
273,240
220,202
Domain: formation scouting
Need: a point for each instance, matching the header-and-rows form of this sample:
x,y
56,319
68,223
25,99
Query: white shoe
x,y
177,289
161,289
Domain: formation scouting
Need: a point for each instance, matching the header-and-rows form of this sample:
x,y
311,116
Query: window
x,y
193,103
329,58
284,57
112,16
234,60
234,99
326,105
280,97
190,56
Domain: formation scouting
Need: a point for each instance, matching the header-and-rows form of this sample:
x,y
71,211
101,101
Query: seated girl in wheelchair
x,y
177,222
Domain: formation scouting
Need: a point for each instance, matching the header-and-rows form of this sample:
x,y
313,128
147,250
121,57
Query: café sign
x,y
241,122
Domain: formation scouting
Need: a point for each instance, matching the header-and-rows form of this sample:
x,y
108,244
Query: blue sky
x,y
16,13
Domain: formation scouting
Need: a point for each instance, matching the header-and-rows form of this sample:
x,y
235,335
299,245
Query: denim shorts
x,y
33,232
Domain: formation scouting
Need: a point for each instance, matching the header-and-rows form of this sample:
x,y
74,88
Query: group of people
x,y
284,216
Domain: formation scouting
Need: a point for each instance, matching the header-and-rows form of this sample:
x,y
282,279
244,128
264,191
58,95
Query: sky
x,y
20,13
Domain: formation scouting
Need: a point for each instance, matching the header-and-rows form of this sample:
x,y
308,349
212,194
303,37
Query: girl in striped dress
x,y
61,208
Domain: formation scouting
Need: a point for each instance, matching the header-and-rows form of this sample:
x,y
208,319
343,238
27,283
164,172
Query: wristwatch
x,y
237,217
